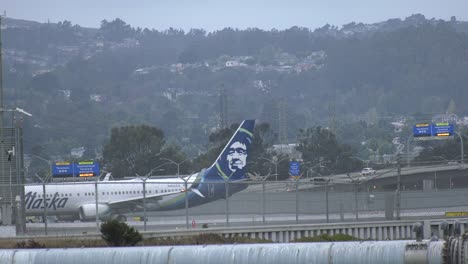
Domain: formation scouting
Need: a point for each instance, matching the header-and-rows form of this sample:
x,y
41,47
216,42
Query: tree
x,y
117,234
116,30
217,141
319,145
133,150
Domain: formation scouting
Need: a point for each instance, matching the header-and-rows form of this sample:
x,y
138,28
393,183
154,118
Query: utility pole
x,y
3,190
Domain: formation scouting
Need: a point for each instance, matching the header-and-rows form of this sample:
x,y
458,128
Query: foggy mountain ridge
x,y
76,80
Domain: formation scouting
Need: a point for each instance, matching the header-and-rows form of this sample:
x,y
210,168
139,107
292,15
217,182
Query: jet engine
x,y
88,212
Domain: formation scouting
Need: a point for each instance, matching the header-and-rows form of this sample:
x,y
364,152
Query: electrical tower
x,y
223,113
282,122
332,116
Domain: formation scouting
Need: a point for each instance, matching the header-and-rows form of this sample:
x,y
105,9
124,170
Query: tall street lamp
x,y
355,183
150,173
185,188
461,148
49,164
365,161
175,163
311,168
275,161
44,180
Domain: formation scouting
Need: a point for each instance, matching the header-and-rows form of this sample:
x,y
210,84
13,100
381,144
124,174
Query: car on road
x,y
367,171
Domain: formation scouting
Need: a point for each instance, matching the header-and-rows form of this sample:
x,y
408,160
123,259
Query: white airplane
x,y
116,198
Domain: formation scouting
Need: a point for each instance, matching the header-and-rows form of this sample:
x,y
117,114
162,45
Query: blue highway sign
x,y
294,168
86,169
62,169
422,130
442,129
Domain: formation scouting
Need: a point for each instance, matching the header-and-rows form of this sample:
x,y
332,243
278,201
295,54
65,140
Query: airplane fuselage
x,y
66,199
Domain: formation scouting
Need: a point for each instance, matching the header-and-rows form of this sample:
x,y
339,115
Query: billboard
x,y
62,169
72,169
442,129
86,169
437,130
422,130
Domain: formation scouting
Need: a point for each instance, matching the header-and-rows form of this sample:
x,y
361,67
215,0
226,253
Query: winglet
x,y
197,192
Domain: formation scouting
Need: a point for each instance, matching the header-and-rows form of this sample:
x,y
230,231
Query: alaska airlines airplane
x,y
115,198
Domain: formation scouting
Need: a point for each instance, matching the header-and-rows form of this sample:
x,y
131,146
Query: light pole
x,y
44,194
185,188
175,163
311,168
275,161
408,149
149,174
355,183
461,148
365,161
46,205
263,195
49,163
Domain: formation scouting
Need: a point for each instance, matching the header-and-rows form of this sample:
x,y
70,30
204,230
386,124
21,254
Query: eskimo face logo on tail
x,y
237,156
233,162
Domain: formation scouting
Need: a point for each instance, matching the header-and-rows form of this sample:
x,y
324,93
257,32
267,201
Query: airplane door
x,y
211,189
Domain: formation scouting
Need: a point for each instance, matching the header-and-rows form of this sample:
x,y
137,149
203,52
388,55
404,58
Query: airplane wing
x,y
127,203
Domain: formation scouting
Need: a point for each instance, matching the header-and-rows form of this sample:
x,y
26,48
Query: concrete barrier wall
x,y
382,230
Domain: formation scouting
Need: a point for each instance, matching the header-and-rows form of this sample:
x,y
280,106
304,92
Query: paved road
x,y
279,206
246,208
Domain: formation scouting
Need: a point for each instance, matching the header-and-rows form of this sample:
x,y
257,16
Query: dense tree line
x,y
413,67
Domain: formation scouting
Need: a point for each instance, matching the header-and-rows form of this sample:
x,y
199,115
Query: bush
x,y
117,234
31,243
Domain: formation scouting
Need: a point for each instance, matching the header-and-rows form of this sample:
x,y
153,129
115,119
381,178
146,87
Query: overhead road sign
x,y
426,131
71,169
294,168
442,129
87,169
62,169
422,130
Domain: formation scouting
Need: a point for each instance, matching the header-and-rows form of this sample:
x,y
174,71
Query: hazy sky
x,y
217,14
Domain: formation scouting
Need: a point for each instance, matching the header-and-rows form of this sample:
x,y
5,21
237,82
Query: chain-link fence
x,y
77,208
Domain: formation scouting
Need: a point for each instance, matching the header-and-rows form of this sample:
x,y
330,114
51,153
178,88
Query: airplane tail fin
x,y
231,163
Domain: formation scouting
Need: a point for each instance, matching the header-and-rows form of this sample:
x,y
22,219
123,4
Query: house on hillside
x,y
445,118
288,150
